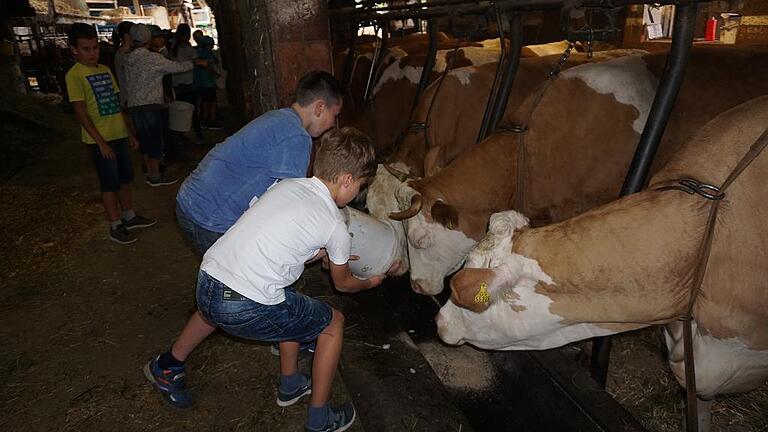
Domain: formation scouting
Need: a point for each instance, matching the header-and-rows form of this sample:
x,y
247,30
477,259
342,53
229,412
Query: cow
x,y
631,263
387,113
454,122
578,146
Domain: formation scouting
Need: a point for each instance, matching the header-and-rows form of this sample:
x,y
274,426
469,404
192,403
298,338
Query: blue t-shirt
x,y
271,147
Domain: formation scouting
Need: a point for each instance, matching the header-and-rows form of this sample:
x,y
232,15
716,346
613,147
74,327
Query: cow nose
x,y
416,287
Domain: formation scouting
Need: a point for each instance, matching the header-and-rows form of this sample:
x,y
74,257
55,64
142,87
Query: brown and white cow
x,y
577,150
386,114
630,264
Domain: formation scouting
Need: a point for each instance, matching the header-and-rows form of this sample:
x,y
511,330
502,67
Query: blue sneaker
x,y
285,399
340,418
170,383
305,348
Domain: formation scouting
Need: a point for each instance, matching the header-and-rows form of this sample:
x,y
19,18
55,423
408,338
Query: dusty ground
x,y
80,315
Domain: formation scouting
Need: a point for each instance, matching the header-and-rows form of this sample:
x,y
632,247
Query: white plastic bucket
x,y
180,116
373,240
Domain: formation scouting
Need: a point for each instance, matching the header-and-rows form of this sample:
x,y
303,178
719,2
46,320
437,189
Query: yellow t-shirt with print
x,y
98,89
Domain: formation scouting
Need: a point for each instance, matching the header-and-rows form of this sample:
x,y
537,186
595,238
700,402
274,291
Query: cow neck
x,y
606,265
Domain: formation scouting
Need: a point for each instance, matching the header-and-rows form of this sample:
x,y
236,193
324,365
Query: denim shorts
x,y
200,238
112,172
299,318
149,126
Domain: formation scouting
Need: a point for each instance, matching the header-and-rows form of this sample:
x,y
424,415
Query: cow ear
x,y
433,161
445,215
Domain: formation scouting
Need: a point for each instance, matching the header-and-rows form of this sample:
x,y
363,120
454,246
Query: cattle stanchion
x,y
484,126
350,60
666,94
515,53
378,62
429,64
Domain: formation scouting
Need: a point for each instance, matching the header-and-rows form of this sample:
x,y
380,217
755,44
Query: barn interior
x,y
81,315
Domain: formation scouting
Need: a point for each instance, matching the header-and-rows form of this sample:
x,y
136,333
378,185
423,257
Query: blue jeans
x,y
298,318
200,238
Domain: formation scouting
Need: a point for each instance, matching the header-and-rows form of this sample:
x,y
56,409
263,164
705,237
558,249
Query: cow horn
x,y
400,175
416,203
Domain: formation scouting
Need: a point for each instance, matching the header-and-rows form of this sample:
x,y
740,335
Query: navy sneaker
x,y
305,348
138,221
170,383
287,399
340,418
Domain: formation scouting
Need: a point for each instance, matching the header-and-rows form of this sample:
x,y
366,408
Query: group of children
x,y
255,218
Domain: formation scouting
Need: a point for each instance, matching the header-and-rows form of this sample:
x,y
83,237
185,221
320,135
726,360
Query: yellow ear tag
x,y
482,296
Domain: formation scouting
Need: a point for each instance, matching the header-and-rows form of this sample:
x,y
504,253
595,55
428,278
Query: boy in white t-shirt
x,y
245,278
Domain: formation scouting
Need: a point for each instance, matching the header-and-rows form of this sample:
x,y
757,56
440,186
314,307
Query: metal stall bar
x,y
515,53
350,60
497,78
666,94
378,62
429,63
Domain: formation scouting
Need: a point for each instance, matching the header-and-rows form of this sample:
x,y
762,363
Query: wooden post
x,y
267,46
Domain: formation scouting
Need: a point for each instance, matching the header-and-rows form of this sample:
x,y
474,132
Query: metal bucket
x,y
373,240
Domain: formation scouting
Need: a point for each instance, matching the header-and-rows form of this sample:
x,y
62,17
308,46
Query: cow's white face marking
x,y
626,78
722,365
433,250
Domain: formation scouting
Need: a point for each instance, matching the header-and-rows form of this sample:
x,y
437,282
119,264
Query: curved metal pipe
x,y
515,53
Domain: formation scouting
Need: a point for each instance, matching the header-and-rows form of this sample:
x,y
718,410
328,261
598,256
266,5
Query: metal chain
x,y
563,59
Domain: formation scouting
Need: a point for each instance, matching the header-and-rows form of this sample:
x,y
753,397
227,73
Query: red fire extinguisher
x,y
711,29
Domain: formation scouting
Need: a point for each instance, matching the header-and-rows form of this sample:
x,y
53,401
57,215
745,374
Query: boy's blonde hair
x,y
345,150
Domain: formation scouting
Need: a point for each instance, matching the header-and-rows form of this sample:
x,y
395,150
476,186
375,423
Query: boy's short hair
x,y
319,85
80,31
345,150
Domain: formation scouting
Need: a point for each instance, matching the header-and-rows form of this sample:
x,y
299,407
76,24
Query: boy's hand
x,y
106,151
200,62
133,142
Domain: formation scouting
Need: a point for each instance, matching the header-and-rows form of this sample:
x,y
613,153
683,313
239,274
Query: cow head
x,y
500,306
434,251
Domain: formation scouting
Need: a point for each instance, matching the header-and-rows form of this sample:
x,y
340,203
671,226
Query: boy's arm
x,y
81,112
170,66
345,282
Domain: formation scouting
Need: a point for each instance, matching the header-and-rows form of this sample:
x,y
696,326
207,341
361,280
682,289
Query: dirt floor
x,y
80,315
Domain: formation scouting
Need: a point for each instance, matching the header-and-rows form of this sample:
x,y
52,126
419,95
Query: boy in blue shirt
x,y
244,284
93,93
274,146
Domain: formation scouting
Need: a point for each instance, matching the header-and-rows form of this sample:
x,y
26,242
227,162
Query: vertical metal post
x,y
346,76
429,64
515,52
378,62
666,94
484,126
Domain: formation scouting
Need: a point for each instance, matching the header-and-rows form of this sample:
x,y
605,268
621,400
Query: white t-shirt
x,y
265,250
